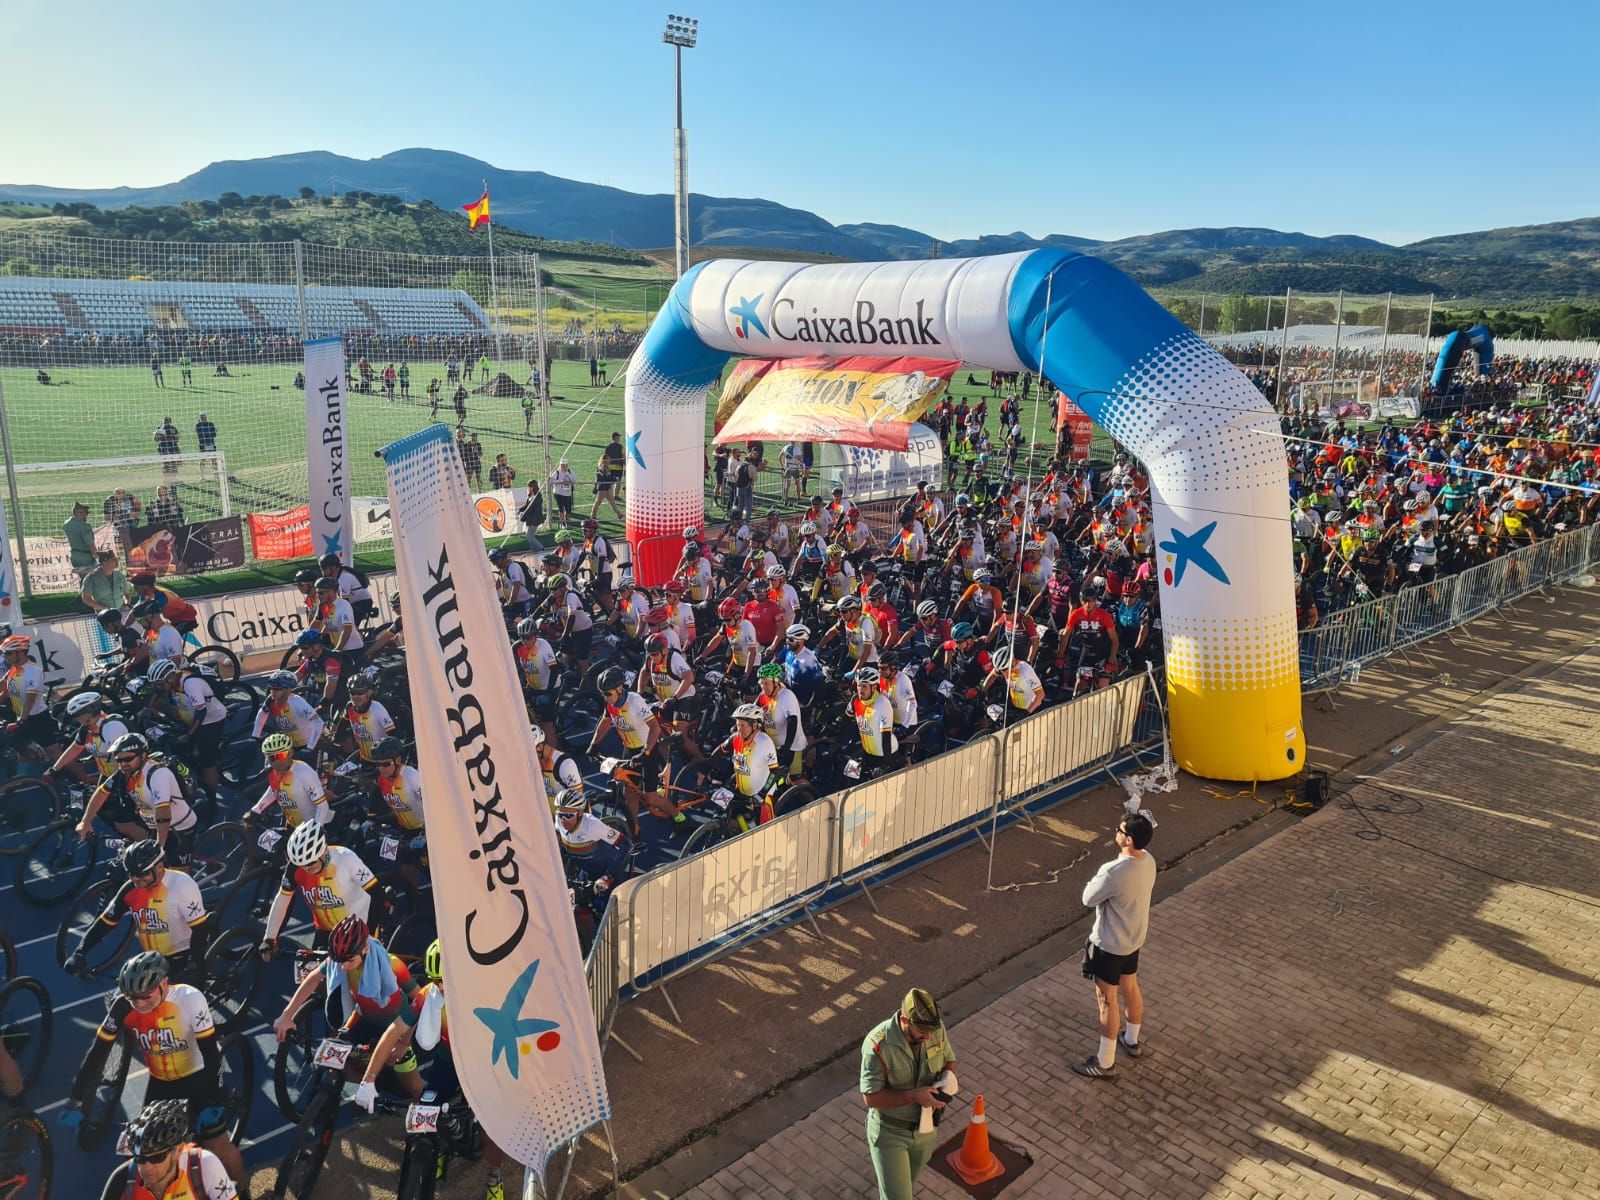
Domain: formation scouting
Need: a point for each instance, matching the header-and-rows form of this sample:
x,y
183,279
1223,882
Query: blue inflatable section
x,y
1455,346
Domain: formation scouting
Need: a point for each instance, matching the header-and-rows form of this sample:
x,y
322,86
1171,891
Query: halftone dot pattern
x,y
1231,654
668,495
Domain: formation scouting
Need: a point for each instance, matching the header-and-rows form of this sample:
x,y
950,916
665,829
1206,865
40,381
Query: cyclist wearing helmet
x,y
629,612
817,513
773,601
780,711
319,665
965,664
594,555
896,685
169,1026
185,697
752,766
392,634
854,534
778,538
1020,631
161,640
352,585
1090,646
334,882
640,733
26,690
96,731
695,574
169,915
367,986
305,579
838,578
291,784
399,785
560,770
873,715
1024,692
659,620
591,851
887,617
368,720
426,1022
968,554
565,554
536,663
512,582
336,618
802,670
157,803
810,552
986,600
177,611
744,648
860,632
666,675
577,627
928,634
286,711
127,636
909,545
165,1165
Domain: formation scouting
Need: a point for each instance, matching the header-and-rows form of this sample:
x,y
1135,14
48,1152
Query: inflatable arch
x,y
1219,487
1455,348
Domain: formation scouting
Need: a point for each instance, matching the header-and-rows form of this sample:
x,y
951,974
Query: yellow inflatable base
x,y
1237,735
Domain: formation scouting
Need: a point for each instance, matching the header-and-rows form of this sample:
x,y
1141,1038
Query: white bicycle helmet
x,y
85,702
749,712
798,633
307,844
538,735
1000,656
161,670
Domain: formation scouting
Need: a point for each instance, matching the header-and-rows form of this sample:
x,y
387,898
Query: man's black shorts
x,y
1106,967
207,1116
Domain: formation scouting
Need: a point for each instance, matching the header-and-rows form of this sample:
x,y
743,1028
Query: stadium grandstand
x,y
44,306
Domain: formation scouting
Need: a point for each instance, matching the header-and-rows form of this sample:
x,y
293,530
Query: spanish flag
x,y
478,210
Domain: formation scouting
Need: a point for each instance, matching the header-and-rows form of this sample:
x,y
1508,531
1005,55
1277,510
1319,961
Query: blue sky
x,y
1396,120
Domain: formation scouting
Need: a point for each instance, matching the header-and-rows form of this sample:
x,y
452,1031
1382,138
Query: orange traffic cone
x,y
975,1162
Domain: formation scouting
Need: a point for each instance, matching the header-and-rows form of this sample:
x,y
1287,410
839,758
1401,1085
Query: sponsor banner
x,y
1404,407
194,549
866,474
1070,416
524,1042
495,512
852,400
275,536
50,566
327,457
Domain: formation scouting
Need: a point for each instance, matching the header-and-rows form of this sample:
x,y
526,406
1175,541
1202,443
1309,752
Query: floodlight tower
x,y
681,33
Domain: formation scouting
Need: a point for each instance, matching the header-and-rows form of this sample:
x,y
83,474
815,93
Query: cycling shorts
x,y
208,1117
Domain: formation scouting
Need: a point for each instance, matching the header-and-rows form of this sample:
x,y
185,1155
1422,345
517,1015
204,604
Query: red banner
x,y
281,535
1081,424
852,400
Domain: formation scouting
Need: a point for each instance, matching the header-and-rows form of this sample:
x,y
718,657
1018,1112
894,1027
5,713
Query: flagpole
x,y
494,289
539,349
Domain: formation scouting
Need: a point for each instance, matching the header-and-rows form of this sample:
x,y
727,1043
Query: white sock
x,y
1108,1052
1131,1033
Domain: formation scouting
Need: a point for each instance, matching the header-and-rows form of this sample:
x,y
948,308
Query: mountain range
x,y
1534,262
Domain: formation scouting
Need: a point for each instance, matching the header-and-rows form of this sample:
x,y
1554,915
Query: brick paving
x,y
1393,998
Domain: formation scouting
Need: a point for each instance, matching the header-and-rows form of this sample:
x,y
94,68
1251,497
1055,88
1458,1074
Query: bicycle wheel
x,y
27,806
8,959
712,833
248,898
294,1077
122,1177
411,939
26,1022
237,1081
217,857
419,1168
220,659
792,798
26,1155
241,765
109,952
104,1107
298,1172
231,972
56,864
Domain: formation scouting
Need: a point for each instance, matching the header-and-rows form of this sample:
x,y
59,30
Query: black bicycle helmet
x,y
140,858
141,973
388,748
611,677
307,575
160,1127
129,743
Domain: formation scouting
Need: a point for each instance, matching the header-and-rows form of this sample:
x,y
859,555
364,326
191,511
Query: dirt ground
x,y
778,1010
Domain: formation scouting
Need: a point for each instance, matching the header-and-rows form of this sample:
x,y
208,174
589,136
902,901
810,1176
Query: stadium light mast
x,y
681,34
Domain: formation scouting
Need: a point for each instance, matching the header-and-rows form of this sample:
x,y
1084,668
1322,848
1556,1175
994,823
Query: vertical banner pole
x,y
1283,351
16,514
327,452
494,291
544,374
1383,354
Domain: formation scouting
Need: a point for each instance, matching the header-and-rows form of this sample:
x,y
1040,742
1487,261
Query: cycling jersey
x,y
902,699
195,701
370,727
320,666
861,638
560,772
402,792
164,916
1022,686
680,620
743,649
168,1037
347,986
201,1176
25,689
802,671
1093,628
698,580
766,614
780,708
535,661
632,615
753,762
576,616
592,848
156,788
298,790
910,546
340,888
631,720
293,716
874,720
664,673
96,737
338,618
840,580
165,642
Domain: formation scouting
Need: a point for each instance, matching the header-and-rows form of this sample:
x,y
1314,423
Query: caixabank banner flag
x,y
327,451
852,400
521,1028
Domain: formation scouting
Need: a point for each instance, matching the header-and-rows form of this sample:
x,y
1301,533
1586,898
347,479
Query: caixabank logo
x,y
862,325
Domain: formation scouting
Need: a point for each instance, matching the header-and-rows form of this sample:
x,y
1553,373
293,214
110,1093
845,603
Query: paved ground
x,y
1393,998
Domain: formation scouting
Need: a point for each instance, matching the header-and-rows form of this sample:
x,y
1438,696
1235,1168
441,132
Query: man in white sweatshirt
x,y
1119,893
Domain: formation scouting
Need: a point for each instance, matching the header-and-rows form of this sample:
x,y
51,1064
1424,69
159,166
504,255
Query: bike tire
x,y
237,1081
249,897
419,1170
22,1131
28,805
85,911
793,798
118,1182
298,1173
231,973
295,1081
220,659
712,833
26,1034
56,865
218,857
8,959
104,1107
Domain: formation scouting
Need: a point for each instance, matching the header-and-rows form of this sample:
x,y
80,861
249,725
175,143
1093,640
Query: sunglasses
x,y
150,1160
125,759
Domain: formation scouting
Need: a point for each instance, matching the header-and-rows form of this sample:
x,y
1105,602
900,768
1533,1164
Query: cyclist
x,y
1091,642
167,1167
305,580
145,799
577,627
884,614
802,670
161,639
874,718
591,851
628,616
1024,692
518,583
371,987
291,784
781,595
177,611
929,634
640,734
694,573
910,548
320,666
536,662
426,1021
26,690
860,632
680,616
127,635
838,578
399,784
96,731
595,556
169,1025
183,694
896,685
752,760
368,719
169,914
289,713
986,599
336,618
352,585
334,882
392,634
666,673
780,710
560,770
744,649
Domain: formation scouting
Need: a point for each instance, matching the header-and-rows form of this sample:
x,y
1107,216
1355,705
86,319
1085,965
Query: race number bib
x,y
423,1118
332,1053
